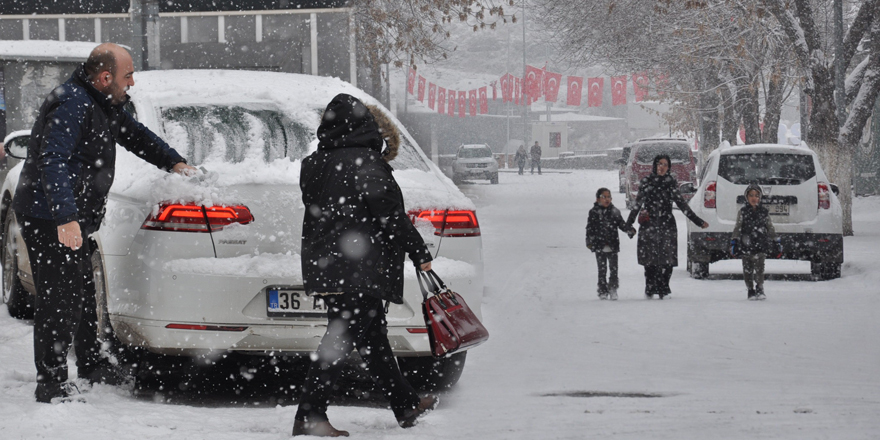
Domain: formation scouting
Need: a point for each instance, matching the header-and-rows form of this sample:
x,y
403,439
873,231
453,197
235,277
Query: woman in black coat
x,y
355,234
658,235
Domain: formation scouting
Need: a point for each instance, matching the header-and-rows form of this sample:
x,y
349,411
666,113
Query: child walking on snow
x,y
602,239
754,237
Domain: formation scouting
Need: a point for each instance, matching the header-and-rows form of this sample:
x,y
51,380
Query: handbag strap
x,y
437,286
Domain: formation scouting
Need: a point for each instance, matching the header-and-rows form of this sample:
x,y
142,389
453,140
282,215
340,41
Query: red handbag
x,y
452,326
643,217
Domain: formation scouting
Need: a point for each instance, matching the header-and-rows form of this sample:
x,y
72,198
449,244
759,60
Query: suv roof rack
x,y
662,139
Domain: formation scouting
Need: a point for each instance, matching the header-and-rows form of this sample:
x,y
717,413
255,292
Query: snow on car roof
x,y
301,97
766,148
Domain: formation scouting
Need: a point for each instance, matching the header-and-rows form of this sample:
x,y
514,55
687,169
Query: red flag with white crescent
x,y
462,103
441,100
450,109
505,88
484,100
533,81
421,88
575,86
640,86
662,84
472,102
551,86
596,88
618,90
411,80
432,95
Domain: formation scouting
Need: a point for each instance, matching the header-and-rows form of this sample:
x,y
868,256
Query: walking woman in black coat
x,y
658,235
356,233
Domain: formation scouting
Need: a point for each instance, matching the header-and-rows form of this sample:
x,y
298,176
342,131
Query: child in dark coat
x,y
602,239
754,237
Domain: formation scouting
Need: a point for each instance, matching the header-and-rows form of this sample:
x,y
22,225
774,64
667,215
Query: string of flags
x,y
538,83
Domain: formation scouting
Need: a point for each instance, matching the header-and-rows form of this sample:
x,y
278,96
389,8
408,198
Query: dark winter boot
x,y
759,293
752,295
410,417
55,392
316,429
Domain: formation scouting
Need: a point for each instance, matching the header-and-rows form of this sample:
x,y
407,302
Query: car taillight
x,y
196,218
709,195
450,223
824,196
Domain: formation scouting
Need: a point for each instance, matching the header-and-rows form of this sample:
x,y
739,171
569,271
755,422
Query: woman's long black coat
x,y
658,238
355,228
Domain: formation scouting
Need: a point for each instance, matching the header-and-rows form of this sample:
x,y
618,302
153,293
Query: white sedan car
x,y
211,264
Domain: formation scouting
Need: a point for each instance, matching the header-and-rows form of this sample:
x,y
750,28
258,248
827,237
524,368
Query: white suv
x,y
475,162
803,206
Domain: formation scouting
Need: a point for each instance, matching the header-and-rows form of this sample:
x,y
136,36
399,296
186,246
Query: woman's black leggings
x,y
657,280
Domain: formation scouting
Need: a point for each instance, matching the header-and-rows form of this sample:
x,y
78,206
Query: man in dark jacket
x,y
355,234
535,152
60,201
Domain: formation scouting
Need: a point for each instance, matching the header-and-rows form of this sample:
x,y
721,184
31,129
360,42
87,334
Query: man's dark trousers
x,y
64,309
354,321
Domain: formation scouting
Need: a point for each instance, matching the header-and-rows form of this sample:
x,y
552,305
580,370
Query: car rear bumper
x,y
708,247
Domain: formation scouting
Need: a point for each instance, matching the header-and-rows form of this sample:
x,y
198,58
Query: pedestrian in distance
x,y
658,234
535,151
521,158
602,238
59,202
355,234
754,237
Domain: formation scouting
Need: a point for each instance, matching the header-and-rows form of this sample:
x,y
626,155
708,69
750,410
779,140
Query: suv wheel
x,y
17,299
825,271
428,373
698,270
494,179
456,179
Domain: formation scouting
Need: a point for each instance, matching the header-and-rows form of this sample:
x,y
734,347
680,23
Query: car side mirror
x,y
835,189
687,188
620,162
17,147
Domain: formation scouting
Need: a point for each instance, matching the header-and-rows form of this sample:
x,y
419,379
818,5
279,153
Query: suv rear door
x,y
788,180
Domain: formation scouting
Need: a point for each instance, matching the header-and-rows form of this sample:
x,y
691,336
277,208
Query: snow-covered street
x,y
561,364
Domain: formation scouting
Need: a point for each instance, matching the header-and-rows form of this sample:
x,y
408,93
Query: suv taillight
x,y
196,218
709,195
450,223
824,196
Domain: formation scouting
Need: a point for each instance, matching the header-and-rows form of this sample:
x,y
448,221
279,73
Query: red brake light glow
x,y
709,195
824,197
191,218
462,223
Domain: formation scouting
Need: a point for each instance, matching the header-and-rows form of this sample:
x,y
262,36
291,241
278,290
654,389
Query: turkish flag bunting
x,y
411,80
517,90
421,88
575,86
462,103
451,108
551,86
595,90
640,86
662,83
432,95
441,100
472,102
618,90
484,101
506,96
532,87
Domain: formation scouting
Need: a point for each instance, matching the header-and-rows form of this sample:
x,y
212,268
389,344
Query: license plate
x,y
293,303
778,208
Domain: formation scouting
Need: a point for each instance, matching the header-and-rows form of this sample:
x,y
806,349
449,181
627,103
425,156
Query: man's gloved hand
x,y
631,233
733,244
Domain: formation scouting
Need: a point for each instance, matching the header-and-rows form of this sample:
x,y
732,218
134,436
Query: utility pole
x,y
527,102
145,34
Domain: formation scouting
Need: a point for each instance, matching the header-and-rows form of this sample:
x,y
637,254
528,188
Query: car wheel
x,y
428,373
698,269
456,179
17,299
825,271
494,179
106,334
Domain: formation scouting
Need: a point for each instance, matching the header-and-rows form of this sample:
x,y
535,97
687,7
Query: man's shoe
x,y
317,429
752,295
55,392
603,295
410,417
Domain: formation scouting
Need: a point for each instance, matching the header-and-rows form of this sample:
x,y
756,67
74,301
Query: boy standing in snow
x,y
753,238
602,239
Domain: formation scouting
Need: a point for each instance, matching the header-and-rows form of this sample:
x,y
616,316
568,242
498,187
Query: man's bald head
x,y
105,57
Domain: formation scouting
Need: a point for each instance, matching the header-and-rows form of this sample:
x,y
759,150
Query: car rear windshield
x,y
474,153
233,133
678,153
766,169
